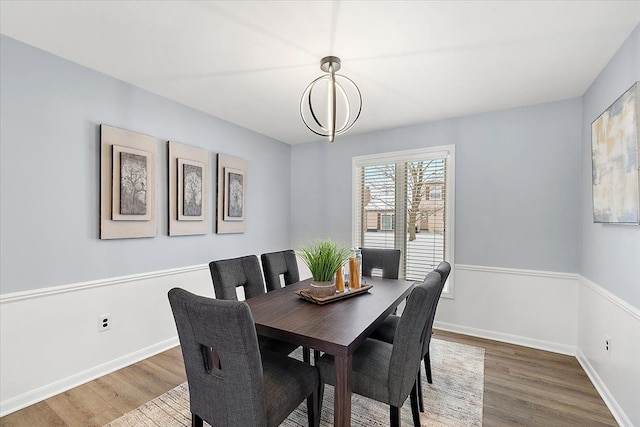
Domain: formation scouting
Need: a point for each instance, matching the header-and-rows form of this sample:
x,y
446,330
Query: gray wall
x,y
610,254
517,184
50,111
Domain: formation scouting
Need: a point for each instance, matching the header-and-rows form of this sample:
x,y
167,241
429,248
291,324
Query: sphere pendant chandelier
x,y
332,103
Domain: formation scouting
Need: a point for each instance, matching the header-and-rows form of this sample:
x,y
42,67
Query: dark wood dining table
x,y
338,328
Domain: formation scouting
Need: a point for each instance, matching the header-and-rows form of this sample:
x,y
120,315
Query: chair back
x,y
230,392
228,274
443,269
276,263
387,260
409,338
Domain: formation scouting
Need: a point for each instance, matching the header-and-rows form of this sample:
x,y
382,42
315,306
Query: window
x,y
435,193
387,222
412,194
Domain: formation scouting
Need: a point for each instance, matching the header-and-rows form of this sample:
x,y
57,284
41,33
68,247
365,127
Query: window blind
x,y
401,203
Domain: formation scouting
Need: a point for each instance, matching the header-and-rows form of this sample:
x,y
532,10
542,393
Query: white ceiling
x,y
248,62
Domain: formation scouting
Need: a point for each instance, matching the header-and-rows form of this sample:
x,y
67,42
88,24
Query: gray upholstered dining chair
x,y
387,330
276,263
387,260
229,274
444,268
387,372
230,382
284,262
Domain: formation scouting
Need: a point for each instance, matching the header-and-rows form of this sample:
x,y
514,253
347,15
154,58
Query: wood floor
x,y
522,386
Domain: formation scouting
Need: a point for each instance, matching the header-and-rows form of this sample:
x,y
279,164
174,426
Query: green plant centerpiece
x,y
323,257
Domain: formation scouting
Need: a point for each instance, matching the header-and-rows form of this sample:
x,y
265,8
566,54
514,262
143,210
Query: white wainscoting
x,y
532,308
559,312
616,374
50,340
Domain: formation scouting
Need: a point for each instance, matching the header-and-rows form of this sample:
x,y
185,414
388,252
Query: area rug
x,y
454,398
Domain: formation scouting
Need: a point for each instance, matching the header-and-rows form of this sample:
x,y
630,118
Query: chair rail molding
x,y
622,304
614,373
54,290
518,271
502,304
490,302
64,320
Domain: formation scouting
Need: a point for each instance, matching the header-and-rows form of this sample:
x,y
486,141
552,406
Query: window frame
x,y
392,219
447,151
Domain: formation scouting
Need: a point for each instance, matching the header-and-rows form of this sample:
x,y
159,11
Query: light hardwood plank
x,y
39,414
78,405
526,386
523,386
122,394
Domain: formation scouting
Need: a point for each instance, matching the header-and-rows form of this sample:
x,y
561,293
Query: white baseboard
x,y
50,340
617,412
614,373
559,312
64,384
526,307
493,303
507,338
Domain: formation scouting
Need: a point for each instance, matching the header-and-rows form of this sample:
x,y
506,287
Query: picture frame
x,y
233,194
190,190
127,184
231,208
188,199
130,199
615,145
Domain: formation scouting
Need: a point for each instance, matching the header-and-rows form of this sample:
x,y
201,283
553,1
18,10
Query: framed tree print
x,y
131,200
127,184
188,189
232,194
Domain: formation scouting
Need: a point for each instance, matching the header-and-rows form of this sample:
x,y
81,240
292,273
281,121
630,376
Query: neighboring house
x,y
431,210
379,216
379,212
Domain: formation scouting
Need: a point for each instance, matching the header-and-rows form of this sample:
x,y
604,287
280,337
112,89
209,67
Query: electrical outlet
x,y
607,344
104,322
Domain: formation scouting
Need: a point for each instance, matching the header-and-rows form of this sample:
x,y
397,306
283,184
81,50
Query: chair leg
x,y
419,385
306,355
394,416
196,421
313,410
427,367
320,402
414,406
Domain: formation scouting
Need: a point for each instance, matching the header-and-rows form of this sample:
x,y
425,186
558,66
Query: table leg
x,y
342,400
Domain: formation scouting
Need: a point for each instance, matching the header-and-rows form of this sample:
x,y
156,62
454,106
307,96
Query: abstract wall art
x,y
614,150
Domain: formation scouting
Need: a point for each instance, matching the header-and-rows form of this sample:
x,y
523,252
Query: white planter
x,y
322,289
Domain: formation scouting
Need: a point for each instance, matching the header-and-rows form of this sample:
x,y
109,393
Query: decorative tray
x,y
304,294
